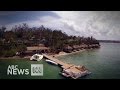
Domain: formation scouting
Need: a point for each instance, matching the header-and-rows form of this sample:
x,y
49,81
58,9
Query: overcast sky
x,y
99,24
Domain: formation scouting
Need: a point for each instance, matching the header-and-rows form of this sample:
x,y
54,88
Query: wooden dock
x,y
63,65
71,69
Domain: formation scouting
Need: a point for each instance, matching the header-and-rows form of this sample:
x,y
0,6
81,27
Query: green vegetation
x,y
21,36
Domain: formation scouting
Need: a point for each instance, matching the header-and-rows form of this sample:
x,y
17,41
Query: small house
x,y
37,49
68,49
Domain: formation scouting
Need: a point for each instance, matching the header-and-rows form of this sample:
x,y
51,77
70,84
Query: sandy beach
x,y
64,53
53,55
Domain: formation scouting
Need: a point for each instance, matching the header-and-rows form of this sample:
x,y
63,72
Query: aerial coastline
x,y
67,44
23,41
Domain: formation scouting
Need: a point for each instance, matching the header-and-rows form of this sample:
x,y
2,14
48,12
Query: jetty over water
x,y
70,70
62,64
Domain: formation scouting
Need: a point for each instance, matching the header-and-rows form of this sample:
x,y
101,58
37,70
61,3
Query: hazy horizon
x,y
103,25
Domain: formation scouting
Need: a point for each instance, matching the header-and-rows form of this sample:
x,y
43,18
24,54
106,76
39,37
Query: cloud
x,y
99,24
23,16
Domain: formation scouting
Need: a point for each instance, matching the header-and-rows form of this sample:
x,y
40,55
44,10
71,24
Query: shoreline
x,y
53,55
64,53
73,52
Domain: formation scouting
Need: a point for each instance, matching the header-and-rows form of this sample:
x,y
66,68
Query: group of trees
x,y
21,36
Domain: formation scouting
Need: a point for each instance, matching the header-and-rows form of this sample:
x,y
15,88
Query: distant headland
x,y
109,41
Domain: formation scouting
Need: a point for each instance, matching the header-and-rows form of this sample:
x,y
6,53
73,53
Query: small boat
x,y
65,74
50,61
36,57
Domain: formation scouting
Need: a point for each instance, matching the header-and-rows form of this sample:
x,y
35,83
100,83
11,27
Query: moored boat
x,y
65,74
50,61
36,57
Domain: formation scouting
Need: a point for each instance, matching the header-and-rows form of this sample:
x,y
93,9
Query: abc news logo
x,y
36,70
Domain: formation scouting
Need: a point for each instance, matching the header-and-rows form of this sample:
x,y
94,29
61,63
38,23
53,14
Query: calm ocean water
x,y
104,63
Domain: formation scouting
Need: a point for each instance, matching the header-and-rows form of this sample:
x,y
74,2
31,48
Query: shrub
x,y
9,53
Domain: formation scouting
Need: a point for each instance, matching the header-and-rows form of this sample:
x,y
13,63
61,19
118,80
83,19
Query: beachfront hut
x,y
68,49
83,46
76,47
37,49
